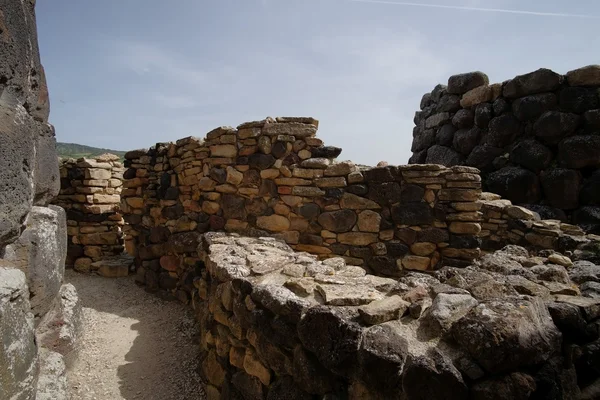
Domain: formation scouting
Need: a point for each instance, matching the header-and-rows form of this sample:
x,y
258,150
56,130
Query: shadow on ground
x,y
135,345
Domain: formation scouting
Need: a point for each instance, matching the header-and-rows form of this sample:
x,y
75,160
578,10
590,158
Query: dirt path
x,y
134,345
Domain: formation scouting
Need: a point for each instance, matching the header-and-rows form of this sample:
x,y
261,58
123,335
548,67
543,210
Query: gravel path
x,y
134,345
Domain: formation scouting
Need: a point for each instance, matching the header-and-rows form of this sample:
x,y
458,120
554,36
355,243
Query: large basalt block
x,y
18,350
46,173
40,253
515,184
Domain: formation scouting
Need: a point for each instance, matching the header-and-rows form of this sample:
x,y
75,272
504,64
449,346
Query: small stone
x,y
369,221
423,248
559,259
416,263
385,310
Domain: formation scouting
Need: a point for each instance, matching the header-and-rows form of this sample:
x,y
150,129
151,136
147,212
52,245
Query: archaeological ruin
x,y
473,272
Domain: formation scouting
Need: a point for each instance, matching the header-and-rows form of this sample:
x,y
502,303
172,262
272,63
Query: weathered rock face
x,y
278,324
535,137
18,358
33,235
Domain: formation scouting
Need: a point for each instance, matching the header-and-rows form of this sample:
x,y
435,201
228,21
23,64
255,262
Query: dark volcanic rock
x,y
530,107
506,335
578,99
325,152
561,188
338,221
444,156
580,151
503,130
553,126
462,83
531,154
483,156
433,377
465,140
445,135
463,119
590,193
515,184
542,80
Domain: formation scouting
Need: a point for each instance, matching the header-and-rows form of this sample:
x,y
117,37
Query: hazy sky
x,y
126,74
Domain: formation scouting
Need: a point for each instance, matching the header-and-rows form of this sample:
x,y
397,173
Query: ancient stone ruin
x,y
536,138
91,195
313,278
403,295
39,316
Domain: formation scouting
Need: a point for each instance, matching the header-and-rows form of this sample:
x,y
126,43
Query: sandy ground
x,y
134,345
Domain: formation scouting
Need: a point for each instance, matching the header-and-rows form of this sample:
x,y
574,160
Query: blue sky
x,y
126,74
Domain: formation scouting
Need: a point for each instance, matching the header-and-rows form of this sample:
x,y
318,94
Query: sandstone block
x,y
357,238
416,263
274,223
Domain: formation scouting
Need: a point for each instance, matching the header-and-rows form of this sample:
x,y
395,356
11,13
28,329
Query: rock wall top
x,y
536,138
278,324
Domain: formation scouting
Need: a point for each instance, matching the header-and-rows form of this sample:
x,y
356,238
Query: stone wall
x,y
276,324
91,195
536,138
39,315
274,177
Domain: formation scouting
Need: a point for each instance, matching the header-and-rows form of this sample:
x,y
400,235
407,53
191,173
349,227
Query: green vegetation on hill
x,y
74,150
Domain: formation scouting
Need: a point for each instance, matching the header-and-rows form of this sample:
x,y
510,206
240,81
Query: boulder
x,y
465,140
338,221
515,184
40,253
332,337
531,107
542,80
531,154
52,380
561,188
584,271
553,126
483,156
584,76
462,83
445,135
579,151
508,335
423,141
18,355
463,119
590,192
517,386
578,99
432,376
503,130
444,156
483,115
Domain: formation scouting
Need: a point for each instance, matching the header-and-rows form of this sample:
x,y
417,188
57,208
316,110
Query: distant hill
x,y
74,150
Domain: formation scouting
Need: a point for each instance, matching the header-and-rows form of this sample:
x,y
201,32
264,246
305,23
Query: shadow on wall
x,y
136,345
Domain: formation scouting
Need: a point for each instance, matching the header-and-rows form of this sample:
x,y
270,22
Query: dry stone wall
x,y
278,324
275,178
39,315
91,195
536,138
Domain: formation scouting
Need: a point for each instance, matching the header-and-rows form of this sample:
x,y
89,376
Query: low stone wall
x,y
536,138
276,324
91,194
504,223
275,178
